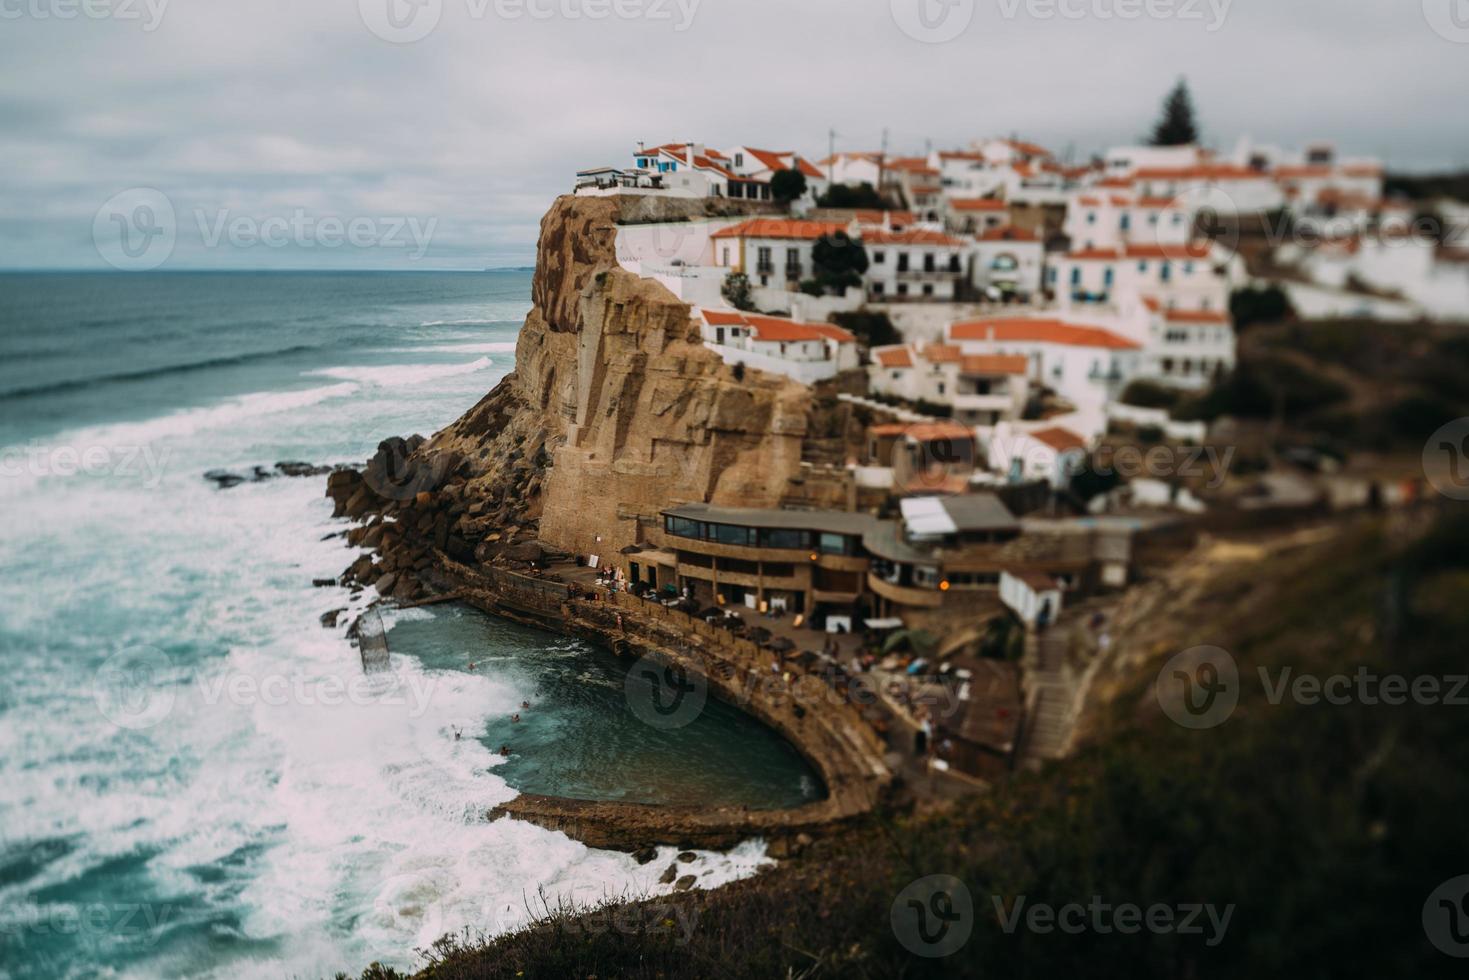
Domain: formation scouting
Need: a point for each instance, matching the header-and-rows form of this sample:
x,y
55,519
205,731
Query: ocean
x,y
196,779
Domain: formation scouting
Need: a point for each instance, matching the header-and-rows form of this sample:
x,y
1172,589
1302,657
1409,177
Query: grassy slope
x,y
1326,826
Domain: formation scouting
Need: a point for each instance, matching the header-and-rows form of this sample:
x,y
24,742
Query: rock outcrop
x,y
614,411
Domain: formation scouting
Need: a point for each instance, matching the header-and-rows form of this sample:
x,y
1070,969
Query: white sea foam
x,y
344,833
401,375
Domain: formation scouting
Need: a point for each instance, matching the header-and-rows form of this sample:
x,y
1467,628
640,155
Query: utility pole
x,y
831,157
882,161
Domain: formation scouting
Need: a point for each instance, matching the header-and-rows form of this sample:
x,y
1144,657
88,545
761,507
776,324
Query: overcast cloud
x,y
242,111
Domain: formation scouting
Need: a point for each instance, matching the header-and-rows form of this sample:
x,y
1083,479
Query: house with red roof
x,y
775,252
1007,263
805,352
762,165
915,263
1085,364
1037,451
979,389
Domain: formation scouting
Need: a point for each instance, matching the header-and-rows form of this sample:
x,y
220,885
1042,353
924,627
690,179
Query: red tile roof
x,y
1196,316
1059,439
1007,233
1027,330
1194,250
1218,171
908,236
781,228
923,431
943,354
894,357
994,364
772,328
976,204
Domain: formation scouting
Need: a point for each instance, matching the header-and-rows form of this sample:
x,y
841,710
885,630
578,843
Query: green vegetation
x,y
1326,826
846,196
838,262
1427,187
870,329
1151,394
1177,126
1267,304
787,185
736,291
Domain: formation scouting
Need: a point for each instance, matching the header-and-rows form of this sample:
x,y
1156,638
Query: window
x,y
902,289
1188,268
683,527
1126,221
726,255
1142,266
1166,272
787,538
902,261
1076,276
928,262
730,534
739,159
765,259
877,289
834,544
878,258
1091,217
793,256
1153,218
1108,276
928,289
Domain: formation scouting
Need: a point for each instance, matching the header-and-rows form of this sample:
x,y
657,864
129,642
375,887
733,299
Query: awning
x,y
883,624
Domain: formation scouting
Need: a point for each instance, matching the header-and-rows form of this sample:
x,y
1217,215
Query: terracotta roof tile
x,y
1043,331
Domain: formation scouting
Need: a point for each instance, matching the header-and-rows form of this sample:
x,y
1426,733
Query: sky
x,y
433,134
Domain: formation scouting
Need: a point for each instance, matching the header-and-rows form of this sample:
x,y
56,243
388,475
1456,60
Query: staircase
x,y
1049,699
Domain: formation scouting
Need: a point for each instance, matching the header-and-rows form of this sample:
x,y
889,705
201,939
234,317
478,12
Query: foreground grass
x,y
1325,826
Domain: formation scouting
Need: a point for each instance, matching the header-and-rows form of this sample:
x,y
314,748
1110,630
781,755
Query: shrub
x,y
787,185
736,291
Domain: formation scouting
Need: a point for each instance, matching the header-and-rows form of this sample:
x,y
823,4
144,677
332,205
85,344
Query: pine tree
x,y
1177,127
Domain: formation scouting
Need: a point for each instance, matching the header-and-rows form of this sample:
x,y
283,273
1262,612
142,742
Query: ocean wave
x,y
146,374
467,321
396,375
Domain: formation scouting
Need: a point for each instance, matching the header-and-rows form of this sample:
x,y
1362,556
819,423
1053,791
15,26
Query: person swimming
x,y
515,718
505,751
524,705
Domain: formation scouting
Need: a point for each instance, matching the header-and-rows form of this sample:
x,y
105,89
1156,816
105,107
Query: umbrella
x,y
711,612
759,634
782,645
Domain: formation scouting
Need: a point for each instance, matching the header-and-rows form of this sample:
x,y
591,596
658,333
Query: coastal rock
x,y
329,619
688,856
386,583
645,854
685,883
669,874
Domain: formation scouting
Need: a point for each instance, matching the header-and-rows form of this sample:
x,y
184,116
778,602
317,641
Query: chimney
x,y
695,150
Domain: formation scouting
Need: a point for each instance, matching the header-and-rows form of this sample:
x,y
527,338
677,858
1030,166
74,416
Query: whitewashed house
x,y
1034,597
975,215
775,252
913,264
979,389
1007,262
1036,451
805,352
762,165
1087,365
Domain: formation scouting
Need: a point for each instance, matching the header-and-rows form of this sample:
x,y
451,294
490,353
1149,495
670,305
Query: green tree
x,y
838,261
736,291
1177,127
787,185
1268,304
847,196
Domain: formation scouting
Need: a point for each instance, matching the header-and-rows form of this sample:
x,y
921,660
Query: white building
x,y
775,252
1007,262
693,169
981,389
913,264
1036,451
975,215
853,169
1195,276
762,165
805,352
1087,365
1035,597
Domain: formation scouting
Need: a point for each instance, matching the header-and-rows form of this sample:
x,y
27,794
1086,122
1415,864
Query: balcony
x,y
765,268
793,271
929,275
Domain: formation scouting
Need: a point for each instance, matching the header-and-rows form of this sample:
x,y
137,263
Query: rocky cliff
x,y
614,411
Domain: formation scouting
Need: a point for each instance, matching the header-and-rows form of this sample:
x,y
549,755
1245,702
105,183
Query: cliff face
x,y
615,408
